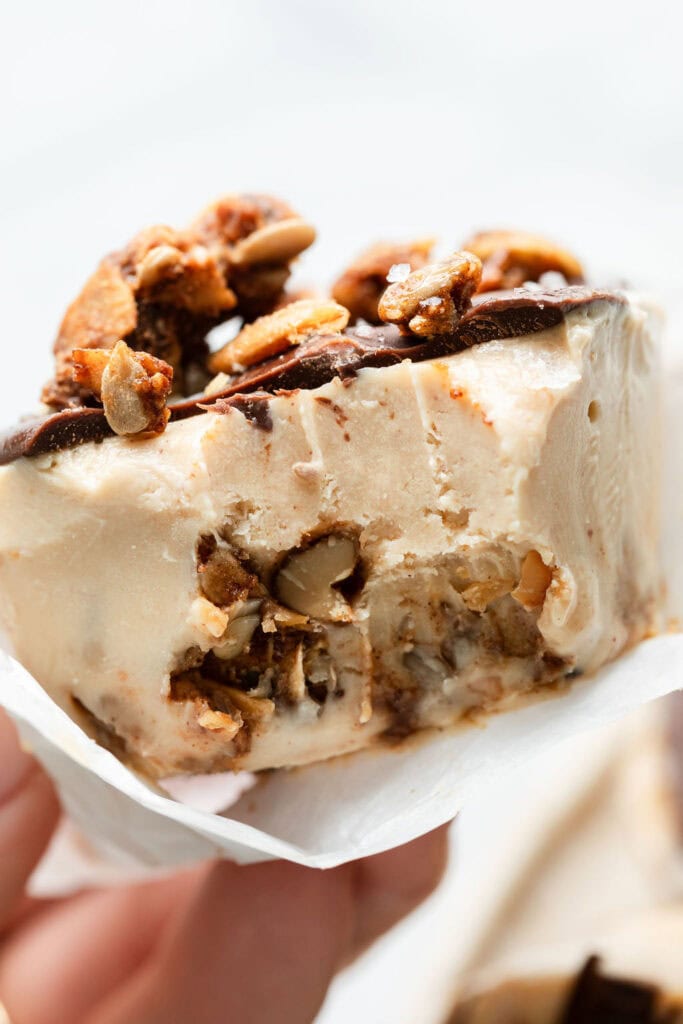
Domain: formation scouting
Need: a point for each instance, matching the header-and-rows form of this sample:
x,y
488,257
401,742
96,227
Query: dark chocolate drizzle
x,y
597,999
321,358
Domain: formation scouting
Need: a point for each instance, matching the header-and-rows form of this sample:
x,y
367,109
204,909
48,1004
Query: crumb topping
x,y
513,258
132,386
363,283
432,300
166,289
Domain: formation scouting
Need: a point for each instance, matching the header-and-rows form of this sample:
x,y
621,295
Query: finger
x,y
391,885
258,943
86,947
264,942
28,815
26,908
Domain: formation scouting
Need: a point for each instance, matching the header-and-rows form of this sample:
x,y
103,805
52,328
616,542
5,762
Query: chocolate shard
x,y
495,315
254,407
492,315
597,998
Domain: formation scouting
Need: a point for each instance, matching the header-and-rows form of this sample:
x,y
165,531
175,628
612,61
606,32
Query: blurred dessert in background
x,y
640,981
603,888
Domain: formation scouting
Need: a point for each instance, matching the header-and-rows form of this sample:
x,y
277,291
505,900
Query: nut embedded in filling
x,y
440,643
272,653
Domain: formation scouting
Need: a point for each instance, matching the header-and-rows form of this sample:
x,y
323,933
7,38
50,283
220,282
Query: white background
x,y
374,119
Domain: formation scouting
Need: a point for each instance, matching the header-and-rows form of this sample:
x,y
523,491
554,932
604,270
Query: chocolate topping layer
x,y
65,429
253,407
318,360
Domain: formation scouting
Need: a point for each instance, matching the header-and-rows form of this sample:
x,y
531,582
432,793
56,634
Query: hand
x,y
213,945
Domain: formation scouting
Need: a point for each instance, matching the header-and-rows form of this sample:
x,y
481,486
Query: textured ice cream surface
x,y
375,556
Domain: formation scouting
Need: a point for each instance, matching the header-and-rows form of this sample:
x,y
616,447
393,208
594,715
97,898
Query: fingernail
x,y
14,762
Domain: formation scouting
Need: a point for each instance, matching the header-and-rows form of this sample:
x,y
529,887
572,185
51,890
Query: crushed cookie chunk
x,y
165,290
430,301
132,386
512,258
172,268
223,577
104,312
161,295
214,709
87,368
256,237
232,218
362,284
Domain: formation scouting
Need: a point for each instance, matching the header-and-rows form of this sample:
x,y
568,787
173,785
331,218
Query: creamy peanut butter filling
x,y
418,543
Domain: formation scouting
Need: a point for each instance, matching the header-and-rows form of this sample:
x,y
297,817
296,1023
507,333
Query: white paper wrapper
x,y
329,813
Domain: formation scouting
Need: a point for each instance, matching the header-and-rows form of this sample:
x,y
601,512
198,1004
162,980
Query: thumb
x,y
28,814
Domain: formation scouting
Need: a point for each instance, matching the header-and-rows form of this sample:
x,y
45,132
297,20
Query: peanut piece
x,y
510,258
362,285
275,333
308,578
132,386
431,300
534,581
